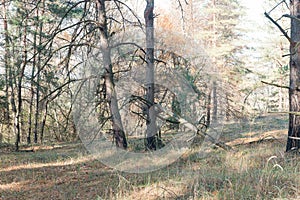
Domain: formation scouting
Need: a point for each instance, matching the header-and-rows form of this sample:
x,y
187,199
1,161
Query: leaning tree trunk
x,y
151,116
111,95
294,94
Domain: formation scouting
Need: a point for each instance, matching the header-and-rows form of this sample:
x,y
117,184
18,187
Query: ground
x,y
258,168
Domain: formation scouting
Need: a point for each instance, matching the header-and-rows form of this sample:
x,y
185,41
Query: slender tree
x,y
21,74
150,111
40,12
294,94
6,65
117,126
6,61
293,141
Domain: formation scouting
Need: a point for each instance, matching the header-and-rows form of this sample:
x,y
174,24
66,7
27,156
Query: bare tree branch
x,y
283,1
63,85
291,17
295,138
128,43
182,11
132,12
280,86
279,27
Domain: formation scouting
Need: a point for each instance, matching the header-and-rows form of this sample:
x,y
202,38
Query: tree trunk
x,y
44,120
294,94
7,66
19,117
14,107
208,108
38,76
111,95
227,109
31,103
151,115
215,66
215,102
30,115
6,63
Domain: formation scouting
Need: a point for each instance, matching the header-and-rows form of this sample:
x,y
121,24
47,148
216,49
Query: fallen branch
x,y
286,112
194,128
254,140
179,120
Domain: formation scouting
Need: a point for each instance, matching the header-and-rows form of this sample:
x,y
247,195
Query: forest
x,y
144,99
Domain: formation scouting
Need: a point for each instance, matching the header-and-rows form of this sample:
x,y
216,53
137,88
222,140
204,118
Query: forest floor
x,y
258,168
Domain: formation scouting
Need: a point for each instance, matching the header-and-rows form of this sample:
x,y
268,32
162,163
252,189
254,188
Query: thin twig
x,y
287,5
283,1
128,43
182,12
169,191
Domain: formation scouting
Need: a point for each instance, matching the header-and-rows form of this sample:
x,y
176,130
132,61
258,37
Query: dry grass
x,y
256,170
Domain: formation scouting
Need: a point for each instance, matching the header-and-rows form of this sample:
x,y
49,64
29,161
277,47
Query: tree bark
x,y
19,117
215,65
30,123
215,102
6,65
44,121
38,76
294,95
208,108
151,115
117,126
10,79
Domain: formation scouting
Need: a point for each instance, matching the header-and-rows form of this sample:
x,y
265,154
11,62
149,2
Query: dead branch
x,y
291,17
294,138
129,43
130,10
255,140
169,191
199,132
276,85
283,1
286,112
182,10
220,144
63,85
290,54
286,5
279,27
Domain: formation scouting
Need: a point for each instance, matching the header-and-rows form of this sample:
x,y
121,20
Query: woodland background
x,y
235,61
